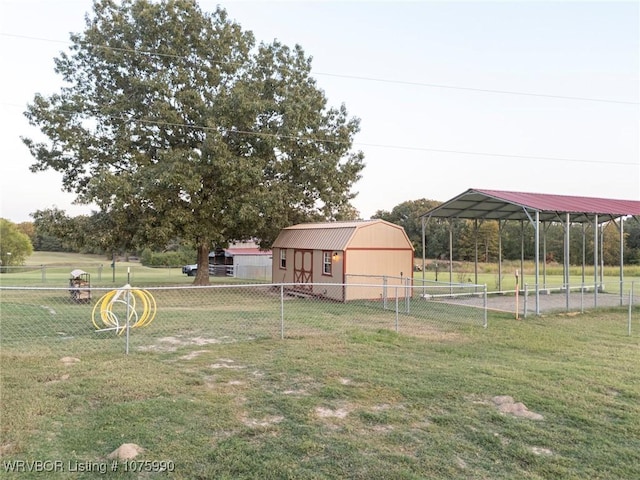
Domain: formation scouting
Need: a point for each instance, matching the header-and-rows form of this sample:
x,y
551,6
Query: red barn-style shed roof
x,y
503,205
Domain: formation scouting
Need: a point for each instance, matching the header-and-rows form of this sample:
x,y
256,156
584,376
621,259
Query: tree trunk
x,y
202,275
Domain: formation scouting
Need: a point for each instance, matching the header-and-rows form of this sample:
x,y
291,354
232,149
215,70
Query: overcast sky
x,y
519,96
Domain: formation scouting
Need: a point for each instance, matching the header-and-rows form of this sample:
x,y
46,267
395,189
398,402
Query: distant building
x,y
241,260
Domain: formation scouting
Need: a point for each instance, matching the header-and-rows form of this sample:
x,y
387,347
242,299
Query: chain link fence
x,y
102,274
579,298
101,316
160,319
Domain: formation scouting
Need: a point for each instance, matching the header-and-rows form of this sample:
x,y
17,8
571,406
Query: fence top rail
x,y
435,284
440,286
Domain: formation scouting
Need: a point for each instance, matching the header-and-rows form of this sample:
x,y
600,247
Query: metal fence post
x,y
408,293
630,308
526,293
128,314
281,312
43,269
384,292
485,306
397,308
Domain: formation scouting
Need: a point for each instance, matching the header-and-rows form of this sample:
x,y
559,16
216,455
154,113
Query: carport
x,y
538,209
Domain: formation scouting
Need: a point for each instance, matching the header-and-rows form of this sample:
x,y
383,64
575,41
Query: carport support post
x,y
621,230
545,227
584,251
595,261
475,262
537,225
500,227
451,256
603,227
522,250
424,252
565,280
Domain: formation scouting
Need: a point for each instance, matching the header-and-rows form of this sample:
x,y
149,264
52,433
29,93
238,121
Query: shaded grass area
x,y
353,403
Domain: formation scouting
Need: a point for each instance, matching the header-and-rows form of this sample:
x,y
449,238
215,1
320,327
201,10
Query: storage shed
x,y
336,259
250,262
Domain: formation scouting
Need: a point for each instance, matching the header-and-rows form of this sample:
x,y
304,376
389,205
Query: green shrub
x,y
177,258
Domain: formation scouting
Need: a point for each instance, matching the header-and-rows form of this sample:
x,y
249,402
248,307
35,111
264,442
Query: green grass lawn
x,y
53,268
342,396
361,403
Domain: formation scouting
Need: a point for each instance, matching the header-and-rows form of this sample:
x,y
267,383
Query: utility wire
x,y
473,89
372,79
231,131
362,78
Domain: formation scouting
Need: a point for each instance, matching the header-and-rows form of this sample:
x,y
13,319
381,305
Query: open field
x,y
210,390
53,268
353,404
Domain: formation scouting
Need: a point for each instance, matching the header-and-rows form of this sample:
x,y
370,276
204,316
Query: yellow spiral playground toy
x,y
118,310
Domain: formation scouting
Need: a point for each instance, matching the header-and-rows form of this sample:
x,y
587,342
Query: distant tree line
x,y
53,230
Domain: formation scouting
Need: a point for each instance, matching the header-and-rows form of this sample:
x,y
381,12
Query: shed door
x,y
303,268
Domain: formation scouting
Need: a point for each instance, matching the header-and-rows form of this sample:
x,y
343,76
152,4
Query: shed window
x,y
283,258
326,263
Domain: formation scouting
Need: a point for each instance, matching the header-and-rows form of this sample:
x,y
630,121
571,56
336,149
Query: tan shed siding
x,y
378,263
321,282
379,235
281,275
336,268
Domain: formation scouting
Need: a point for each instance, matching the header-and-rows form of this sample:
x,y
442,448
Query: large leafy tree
x,y
15,246
176,124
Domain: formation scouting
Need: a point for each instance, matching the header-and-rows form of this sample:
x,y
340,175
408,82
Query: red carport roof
x,y
504,205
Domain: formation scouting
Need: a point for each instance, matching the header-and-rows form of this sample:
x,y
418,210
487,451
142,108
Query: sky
x,y
524,96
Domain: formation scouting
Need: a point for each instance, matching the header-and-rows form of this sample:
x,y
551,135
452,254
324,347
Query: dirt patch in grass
x,y
262,423
541,451
300,392
506,404
6,448
62,378
171,344
192,355
69,360
226,363
324,412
